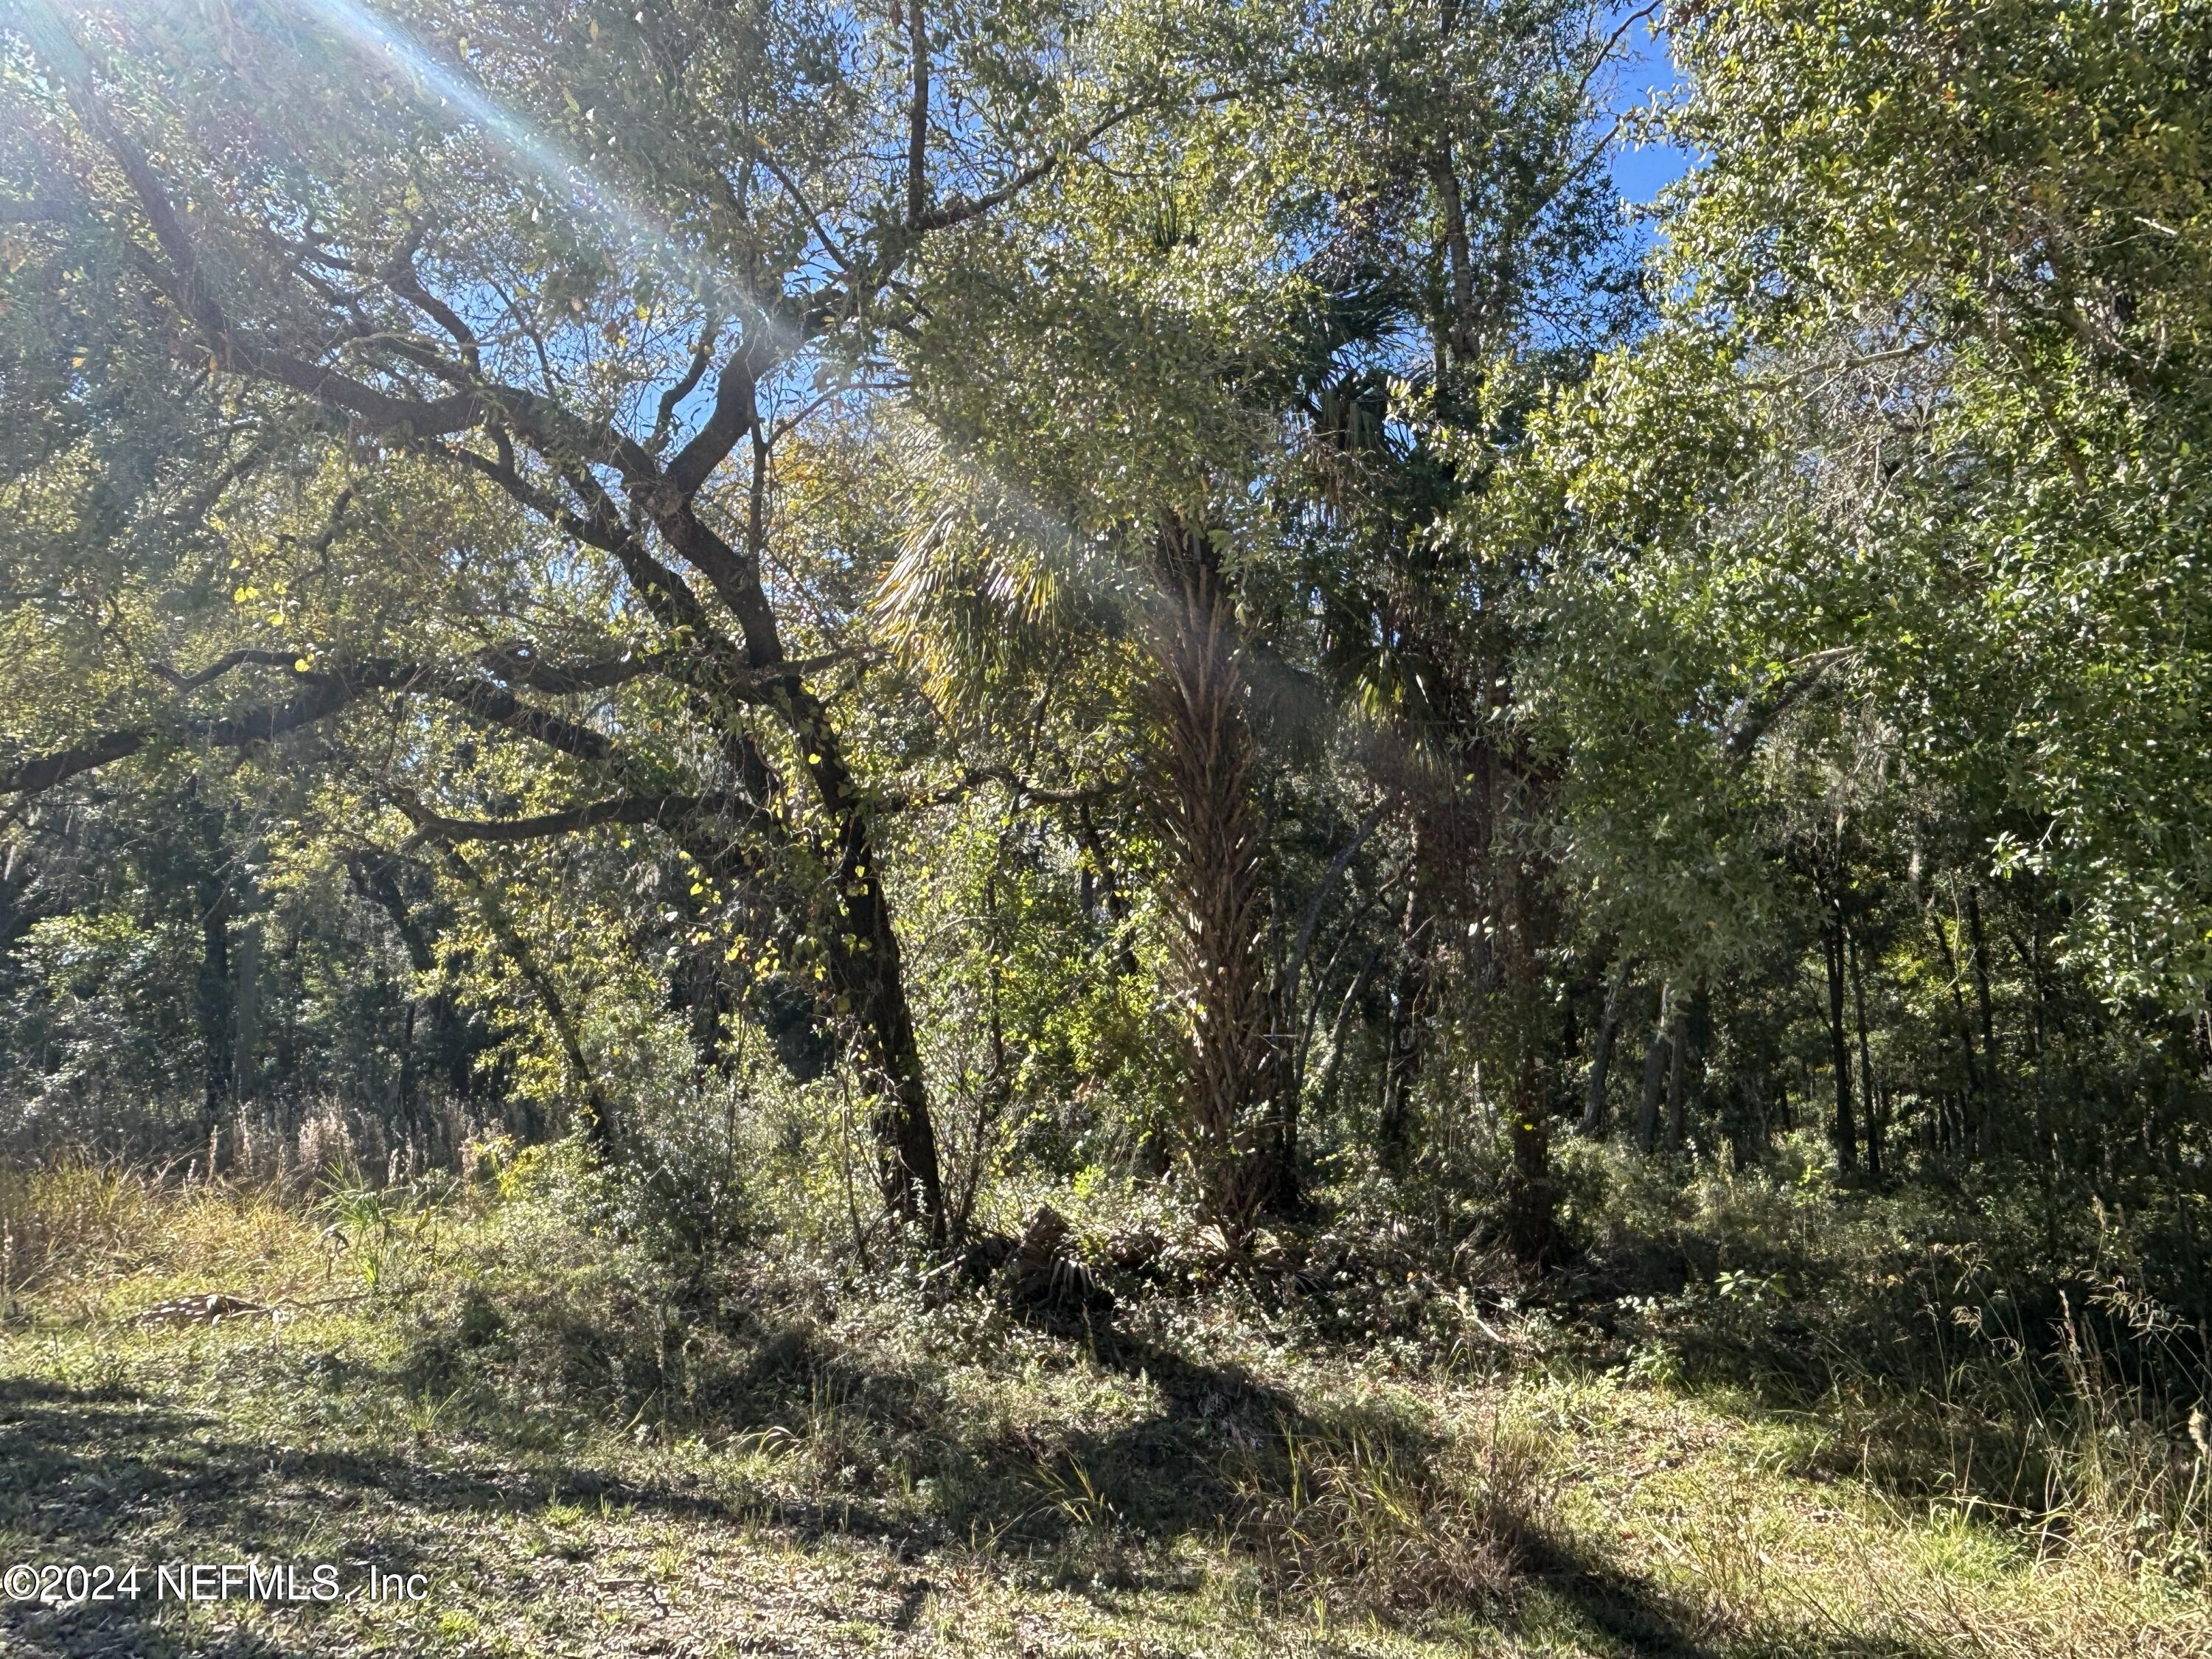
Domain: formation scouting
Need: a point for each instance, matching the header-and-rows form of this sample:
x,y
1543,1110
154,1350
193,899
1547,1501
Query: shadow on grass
x,y
96,1475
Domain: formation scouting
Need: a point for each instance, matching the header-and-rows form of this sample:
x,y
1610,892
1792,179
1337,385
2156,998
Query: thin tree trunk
x,y
215,904
246,1020
1844,1131
1960,1022
1608,1027
1866,1060
606,1132
1531,1210
405,1106
1106,886
1678,1073
705,999
1401,1063
1656,1050
454,1036
1332,1074
1982,980
16,878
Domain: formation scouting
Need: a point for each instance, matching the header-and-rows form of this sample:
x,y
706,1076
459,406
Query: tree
x,y
565,319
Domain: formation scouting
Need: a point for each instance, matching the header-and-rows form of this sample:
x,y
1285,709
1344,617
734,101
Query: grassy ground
x,y
581,1452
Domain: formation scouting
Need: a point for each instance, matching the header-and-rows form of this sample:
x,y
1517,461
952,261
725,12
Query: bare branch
x,y
962,209
701,354
324,693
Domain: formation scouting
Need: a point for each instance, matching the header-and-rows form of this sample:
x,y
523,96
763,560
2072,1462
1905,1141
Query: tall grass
x,y
1953,1358
79,1222
220,1213
1365,1511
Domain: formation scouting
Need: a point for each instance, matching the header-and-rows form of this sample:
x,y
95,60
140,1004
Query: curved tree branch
x,y
591,815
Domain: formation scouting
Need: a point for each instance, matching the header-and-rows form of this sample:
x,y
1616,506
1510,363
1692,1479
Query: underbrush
x,y
1949,1359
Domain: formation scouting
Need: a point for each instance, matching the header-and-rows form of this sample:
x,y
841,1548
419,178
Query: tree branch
x,y
962,209
701,354
518,665
1750,719
621,809
736,410
975,777
325,694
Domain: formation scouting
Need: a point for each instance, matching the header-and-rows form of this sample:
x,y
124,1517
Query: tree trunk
x,y
17,877
1102,885
1531,1211
1656,1051
246,1010
1201,793
1866,1059
1960,1022
1981,982
213,903
1844,1131
605,1131
862,958
1678,1074
1409,987
404,1107
703,994
456,1038
1609,1026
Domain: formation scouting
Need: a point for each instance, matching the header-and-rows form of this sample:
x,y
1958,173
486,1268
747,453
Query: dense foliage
x,y
967,599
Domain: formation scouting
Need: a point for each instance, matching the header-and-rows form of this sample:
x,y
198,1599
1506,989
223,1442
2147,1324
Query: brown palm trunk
x,y
1239,1144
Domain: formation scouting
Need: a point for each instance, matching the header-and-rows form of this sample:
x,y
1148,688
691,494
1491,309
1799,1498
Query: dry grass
x,y
1364,1510
81,1226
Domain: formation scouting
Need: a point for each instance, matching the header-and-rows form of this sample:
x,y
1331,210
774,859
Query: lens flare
x,y
533,151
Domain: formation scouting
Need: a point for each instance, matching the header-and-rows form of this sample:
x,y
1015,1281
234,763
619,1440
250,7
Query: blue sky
x,y
1644,68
